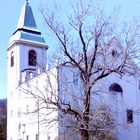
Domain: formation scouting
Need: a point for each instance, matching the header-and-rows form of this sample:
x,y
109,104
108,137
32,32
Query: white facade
x,y
119,102
26,42
26,77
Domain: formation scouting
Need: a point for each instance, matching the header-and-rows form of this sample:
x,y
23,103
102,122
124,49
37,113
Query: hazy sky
x,y
9,14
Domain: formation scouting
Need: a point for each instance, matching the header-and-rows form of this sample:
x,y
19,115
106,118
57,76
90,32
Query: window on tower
x,y
12,59
37,137
32,58
129,116
27,137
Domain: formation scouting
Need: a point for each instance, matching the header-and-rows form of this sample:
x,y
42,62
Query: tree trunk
x,y
84,135
85,128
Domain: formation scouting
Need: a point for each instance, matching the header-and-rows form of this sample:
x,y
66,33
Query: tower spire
x,y
26,28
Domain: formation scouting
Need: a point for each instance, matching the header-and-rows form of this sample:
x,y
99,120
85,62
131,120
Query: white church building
x,y
26,53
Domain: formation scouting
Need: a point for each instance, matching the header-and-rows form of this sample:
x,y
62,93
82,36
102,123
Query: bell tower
x,y
26,56
26,49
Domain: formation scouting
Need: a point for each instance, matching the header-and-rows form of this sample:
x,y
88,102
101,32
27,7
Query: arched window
x,y
115,87
12,59
32,58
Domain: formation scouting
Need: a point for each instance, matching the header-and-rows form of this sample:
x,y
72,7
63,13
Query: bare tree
x,y
89,43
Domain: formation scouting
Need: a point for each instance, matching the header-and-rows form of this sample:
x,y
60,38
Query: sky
x,y
10,11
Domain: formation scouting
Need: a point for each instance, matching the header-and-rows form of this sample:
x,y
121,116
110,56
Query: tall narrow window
x,y
19,112
32,58
27,109
37,137
49,138
27,137
75,79
19,127
129,116
12,59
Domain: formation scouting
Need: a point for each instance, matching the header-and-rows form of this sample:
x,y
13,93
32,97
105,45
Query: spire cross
x,y
27,1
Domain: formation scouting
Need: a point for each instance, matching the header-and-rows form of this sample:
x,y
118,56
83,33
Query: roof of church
x,y
26,28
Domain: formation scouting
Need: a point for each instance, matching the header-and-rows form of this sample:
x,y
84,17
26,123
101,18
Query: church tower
x,y
26,57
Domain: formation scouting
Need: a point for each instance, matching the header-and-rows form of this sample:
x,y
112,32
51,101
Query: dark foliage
x,y
3,119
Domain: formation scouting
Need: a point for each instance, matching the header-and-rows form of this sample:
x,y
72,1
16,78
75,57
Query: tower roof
x,y
26,29
26,19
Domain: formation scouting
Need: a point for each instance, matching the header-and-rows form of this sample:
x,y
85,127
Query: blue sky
x,y
9,14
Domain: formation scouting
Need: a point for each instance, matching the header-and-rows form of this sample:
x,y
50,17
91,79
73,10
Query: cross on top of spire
x,y
27,2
